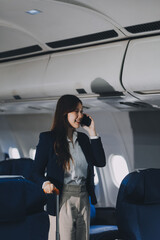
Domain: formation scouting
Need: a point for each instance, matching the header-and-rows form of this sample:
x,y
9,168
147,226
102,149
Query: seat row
x,y
22,213
22,203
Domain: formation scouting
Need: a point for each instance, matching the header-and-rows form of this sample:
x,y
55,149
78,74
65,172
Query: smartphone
x,y
85,121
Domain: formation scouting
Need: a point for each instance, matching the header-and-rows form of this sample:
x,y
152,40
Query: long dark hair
x,y
66,104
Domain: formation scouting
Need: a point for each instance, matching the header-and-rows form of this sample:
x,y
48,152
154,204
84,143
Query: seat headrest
x,y
21,166
5,167
143,187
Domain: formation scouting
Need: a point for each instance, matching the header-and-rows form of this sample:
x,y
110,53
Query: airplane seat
x,y
103,226
138,205
22,214
21,166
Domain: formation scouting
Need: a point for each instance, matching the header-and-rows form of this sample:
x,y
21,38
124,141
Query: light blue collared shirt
x,y
78,167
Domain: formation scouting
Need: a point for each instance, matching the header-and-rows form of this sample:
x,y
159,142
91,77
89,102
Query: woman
x,y
68,157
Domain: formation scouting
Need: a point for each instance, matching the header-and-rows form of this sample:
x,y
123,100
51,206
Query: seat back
x,y
21,166
138,205
22,214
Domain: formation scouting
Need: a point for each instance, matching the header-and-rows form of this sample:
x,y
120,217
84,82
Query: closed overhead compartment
x,y
92,70
22,79
141,71
89,70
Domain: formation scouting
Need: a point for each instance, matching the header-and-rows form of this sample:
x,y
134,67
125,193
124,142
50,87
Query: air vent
x,y
83,39
146,27
20,51
81,90
17,97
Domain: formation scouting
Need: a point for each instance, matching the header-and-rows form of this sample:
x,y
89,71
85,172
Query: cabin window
x,y
32,153
13,153
96,179
118,168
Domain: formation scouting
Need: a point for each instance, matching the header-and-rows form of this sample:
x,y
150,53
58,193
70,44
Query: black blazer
x,y
46,166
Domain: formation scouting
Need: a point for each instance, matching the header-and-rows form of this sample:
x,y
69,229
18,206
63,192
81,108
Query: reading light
x,y
33,11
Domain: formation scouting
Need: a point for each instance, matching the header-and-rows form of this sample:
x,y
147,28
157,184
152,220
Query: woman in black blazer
x,y
65,159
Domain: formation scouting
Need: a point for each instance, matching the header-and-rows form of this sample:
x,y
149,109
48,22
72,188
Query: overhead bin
x,y
82,71
89,70
141,71
22,79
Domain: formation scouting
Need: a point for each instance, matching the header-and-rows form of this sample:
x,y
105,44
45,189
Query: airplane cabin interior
x,y
108,54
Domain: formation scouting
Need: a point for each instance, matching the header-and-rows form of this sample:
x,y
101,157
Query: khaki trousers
x,y
74,216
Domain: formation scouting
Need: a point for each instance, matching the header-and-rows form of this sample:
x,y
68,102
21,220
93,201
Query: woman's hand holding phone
x,y
88,124
86,121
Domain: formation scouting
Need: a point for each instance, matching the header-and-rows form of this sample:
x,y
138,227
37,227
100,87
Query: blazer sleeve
x,y
93,150
99,159
41,159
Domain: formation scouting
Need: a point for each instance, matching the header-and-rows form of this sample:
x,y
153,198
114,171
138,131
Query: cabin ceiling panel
x,y
127,13
11,38
68,21
56,21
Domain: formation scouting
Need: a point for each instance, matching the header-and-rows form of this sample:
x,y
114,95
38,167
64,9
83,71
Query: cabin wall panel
x,y
146,137
7,138
116,133
22,131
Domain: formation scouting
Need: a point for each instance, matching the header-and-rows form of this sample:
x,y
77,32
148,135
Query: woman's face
x,y
74,118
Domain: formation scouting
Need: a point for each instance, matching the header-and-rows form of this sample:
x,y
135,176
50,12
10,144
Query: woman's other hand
x,y
48,187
